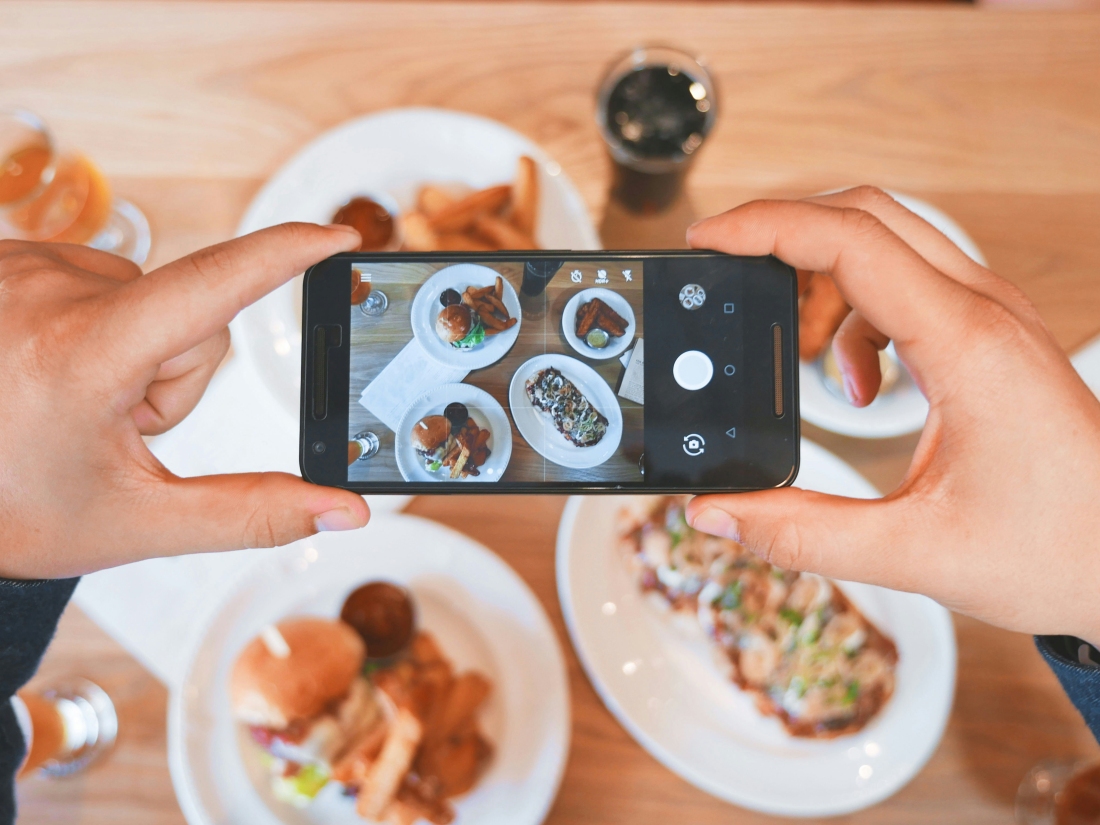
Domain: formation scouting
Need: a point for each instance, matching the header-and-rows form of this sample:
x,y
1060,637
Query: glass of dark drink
x,y
655,107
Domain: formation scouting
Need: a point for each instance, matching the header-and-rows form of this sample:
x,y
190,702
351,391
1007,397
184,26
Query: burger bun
x,y
325,657
454,323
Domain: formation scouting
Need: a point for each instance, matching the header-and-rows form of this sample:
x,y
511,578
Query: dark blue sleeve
x,y
29,611
1080,681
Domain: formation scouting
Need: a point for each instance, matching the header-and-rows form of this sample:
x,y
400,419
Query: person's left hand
x,y
93,356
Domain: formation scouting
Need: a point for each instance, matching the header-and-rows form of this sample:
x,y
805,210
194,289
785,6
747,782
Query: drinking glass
x,y
362,447
67,727
655,107
49,195
371,301
1060,792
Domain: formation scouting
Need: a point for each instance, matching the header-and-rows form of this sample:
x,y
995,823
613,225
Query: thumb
x,y
843,538
231,512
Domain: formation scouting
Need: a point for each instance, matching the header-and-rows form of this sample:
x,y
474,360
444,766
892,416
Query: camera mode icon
x,y
694,444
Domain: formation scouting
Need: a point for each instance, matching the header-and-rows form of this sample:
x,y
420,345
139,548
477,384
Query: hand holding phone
x,y
549,372
997,515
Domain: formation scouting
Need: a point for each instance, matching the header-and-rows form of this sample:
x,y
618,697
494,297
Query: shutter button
x,y
692,370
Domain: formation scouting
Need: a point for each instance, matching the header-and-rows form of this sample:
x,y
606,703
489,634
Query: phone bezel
x,y
321,305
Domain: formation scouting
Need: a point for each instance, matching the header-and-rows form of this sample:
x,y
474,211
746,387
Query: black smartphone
x,y
550,372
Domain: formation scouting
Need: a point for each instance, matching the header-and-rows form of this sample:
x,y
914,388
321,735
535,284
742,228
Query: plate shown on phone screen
x,y
615,346
426,308
538,429
487,414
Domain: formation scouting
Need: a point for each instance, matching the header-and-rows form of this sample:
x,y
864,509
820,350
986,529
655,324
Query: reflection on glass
x,y
67,727
363,446
1060,793
47,195
370,301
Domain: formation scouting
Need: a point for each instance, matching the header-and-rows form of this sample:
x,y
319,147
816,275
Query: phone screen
x,y
523,371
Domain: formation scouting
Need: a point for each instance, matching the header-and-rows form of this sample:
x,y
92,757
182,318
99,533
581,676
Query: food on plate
x,y
794,641
460,448
460,326
478,312
498,217
821,309
382,614
373,222
431,438
401,737
573,414
597,338
598,315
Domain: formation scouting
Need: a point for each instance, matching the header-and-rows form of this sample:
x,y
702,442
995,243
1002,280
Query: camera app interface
x,y
522,371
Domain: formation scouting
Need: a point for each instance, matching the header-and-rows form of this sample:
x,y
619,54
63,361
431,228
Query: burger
x,y
432,439
460,326
298,688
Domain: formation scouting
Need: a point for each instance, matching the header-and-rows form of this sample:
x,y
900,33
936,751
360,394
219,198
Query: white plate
x,y
539,431
481,612
426,308
391,152
657,675
616,346
900,411
484,409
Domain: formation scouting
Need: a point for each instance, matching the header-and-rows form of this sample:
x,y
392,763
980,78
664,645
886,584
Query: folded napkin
x,y
404,379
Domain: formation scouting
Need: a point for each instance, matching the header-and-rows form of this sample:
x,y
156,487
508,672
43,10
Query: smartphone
x,y
550,372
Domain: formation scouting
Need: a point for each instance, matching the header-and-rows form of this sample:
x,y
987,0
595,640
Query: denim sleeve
x,y
29,611
1077,666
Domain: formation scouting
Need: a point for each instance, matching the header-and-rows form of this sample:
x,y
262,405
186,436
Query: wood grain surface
x,y
992,116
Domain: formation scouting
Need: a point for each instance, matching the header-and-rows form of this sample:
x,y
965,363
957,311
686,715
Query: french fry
x,y
490,321
463,457
501,233
419,235
498,289
463,213
497,304
482,438
525,197
386,773
432,200
479,292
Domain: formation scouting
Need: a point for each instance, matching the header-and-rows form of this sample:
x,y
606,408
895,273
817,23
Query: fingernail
x,y
333,520
717,523
849,391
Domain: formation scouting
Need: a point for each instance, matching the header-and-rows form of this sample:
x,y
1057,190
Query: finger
x,y
879,274
843,538
230,512
179,385
856,346
175,307
22,256
931,244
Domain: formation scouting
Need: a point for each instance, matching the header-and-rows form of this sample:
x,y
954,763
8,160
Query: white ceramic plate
x,y
657,674
426,308
616,346
480,611
539,431
484,409
904,409
391,152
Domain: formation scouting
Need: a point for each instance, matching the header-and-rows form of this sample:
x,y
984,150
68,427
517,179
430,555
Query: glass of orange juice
x,y
66,727
49,195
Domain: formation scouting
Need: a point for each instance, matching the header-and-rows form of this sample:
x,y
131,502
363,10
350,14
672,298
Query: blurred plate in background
x,y
481,613
391,152
660,680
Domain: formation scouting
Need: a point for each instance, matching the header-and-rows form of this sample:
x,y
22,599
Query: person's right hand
x,y
999,513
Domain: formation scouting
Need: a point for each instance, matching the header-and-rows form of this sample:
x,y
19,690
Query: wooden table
x,y
992,116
